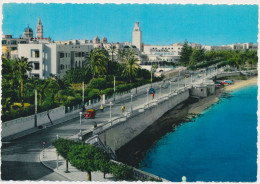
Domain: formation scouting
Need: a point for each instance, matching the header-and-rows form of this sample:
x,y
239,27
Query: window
x,y
13,42
22,42
4,42
201,90
36,66
36,76
61,55
35,53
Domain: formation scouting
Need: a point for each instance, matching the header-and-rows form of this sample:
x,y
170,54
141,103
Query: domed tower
x,y
39,29
137,37
104,40
96,40
28,33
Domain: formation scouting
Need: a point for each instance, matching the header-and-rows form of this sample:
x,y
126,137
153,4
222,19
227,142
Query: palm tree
x,y
121,54
97,62
252,58
22,66
130,66
113,50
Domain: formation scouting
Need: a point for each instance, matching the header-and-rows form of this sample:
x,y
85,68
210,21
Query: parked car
x,y
224,83
151,91
90,113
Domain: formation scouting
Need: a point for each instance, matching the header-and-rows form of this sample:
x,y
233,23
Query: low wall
x,y
228,74
21,124
123,132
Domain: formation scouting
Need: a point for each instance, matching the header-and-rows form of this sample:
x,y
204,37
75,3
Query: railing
x,y
96,140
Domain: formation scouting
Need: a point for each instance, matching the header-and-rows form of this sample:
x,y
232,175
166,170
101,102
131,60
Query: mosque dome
x,y
96,40
104,40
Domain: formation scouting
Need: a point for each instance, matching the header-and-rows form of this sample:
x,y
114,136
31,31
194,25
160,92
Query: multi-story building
x,y
163,53
137,37
52,58
10,44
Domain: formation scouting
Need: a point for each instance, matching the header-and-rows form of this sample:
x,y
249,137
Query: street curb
x,y
42,162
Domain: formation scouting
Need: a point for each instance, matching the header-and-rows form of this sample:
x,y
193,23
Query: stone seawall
x,y
117,136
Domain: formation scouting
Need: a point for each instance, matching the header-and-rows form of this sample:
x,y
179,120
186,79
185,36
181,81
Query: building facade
x,y
137,37
52,58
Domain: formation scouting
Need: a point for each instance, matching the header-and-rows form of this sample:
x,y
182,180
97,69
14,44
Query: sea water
x,y
219,145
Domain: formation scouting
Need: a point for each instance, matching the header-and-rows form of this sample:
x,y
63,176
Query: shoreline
x,y
133,152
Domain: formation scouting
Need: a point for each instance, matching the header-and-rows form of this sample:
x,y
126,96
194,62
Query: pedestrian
x,y
153,95
101,108
123,108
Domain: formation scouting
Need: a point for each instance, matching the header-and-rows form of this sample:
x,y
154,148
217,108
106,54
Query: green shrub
x,y
108,91
122,171
93,94
98,83
124,87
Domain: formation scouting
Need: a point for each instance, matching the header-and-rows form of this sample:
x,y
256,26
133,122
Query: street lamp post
x,y
57,163
184,81
110,111
170,87
83,92
160,91
131,103
80,114
35,115
147,98
114,88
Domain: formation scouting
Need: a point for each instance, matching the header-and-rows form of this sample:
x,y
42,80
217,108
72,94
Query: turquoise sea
x,y
220,145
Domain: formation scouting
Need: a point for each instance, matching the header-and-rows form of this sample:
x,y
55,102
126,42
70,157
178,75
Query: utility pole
x,y
35,115
114,88
83,94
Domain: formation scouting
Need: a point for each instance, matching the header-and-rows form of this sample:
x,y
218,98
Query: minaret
x,y
39,29
137,37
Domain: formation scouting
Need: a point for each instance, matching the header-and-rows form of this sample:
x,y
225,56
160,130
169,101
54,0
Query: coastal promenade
x,y
23,153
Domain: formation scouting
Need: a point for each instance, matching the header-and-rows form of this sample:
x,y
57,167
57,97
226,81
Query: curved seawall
x,y
219,145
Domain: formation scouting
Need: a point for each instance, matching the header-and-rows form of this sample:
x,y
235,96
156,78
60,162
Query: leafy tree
x,y
63,147
97,63
121,54
21,67
81,157
186,52
198,55
252,58
113,50
130,65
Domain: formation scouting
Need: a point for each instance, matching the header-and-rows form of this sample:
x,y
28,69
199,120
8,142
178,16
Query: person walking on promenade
x,y
123,108
101,108
153,96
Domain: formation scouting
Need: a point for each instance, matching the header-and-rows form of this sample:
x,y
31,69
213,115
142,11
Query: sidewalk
x,y
48,158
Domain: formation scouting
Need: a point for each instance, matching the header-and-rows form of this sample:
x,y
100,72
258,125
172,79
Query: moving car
x,y
90,113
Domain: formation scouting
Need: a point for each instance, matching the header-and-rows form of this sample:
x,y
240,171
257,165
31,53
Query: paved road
x,y
20,157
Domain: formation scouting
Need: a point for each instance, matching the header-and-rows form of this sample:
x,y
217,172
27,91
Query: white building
x,y
163,53
137,37
52,58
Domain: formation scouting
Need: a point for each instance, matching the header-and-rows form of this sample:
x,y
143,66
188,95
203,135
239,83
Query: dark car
x,y
151,91
90,113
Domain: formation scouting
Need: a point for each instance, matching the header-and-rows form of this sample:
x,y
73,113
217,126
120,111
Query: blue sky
x,y
160,24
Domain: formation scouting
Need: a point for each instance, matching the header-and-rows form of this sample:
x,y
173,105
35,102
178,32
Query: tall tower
x,y
39,29
137,37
